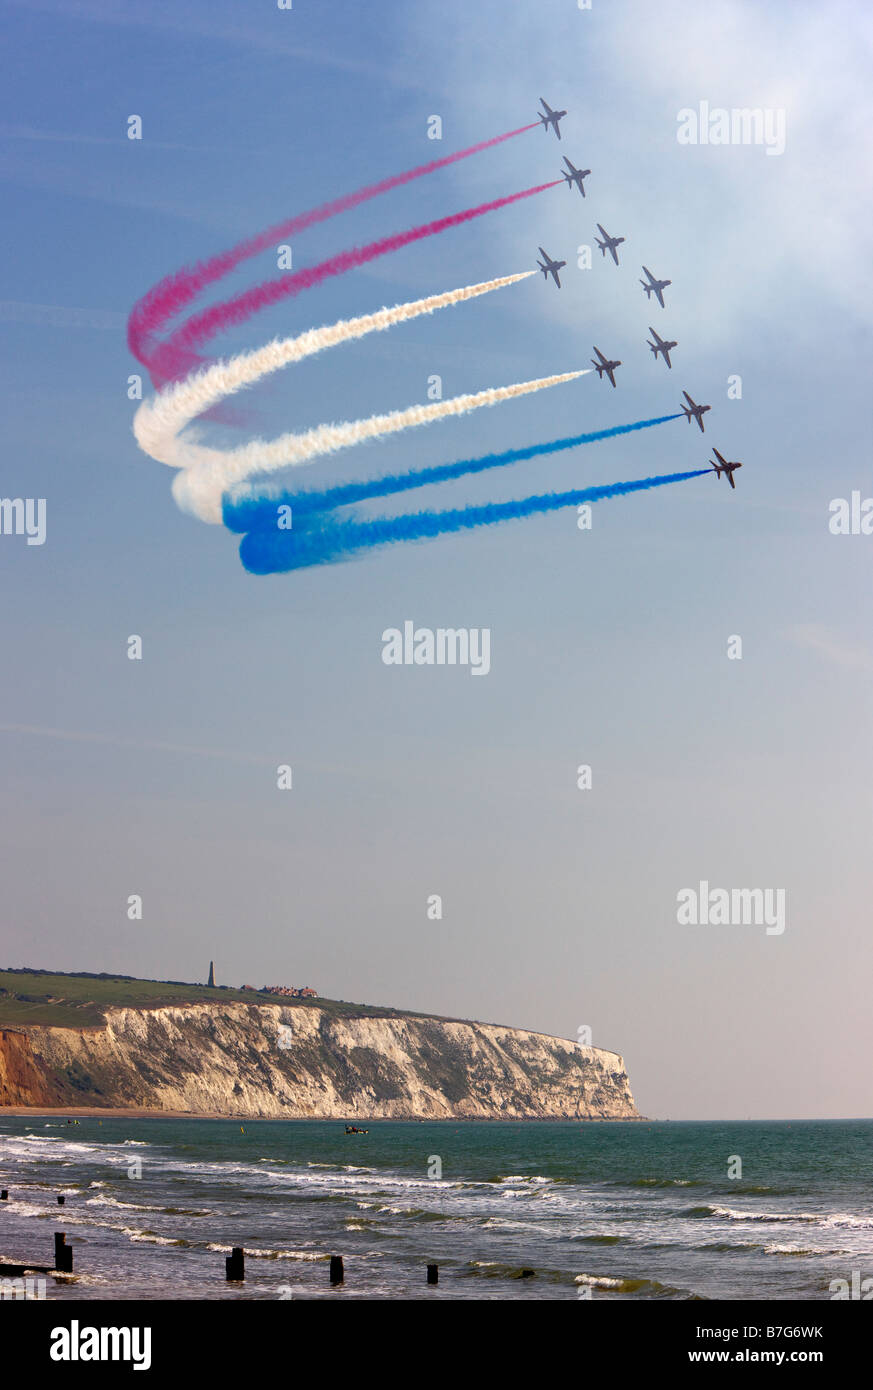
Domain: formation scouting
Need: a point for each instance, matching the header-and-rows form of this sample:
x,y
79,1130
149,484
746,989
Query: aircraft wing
x,y
688,398
731,478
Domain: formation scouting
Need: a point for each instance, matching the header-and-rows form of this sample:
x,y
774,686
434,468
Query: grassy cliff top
x,y
60,1000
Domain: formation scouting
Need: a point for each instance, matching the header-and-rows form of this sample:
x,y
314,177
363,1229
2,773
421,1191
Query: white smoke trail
x,y
199,489
208,473
158,422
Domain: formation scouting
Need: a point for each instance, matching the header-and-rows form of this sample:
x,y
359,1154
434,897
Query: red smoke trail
x,y
176,353
175,291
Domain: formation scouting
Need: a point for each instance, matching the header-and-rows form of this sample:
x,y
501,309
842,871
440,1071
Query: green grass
x,y
60,1000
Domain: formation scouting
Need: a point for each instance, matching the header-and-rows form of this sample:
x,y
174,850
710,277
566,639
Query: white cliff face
x,y
272,1060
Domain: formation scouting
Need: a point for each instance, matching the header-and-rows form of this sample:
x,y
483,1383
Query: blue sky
x,y
608,647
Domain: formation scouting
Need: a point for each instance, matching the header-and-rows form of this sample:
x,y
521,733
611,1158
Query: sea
x,y
506,1210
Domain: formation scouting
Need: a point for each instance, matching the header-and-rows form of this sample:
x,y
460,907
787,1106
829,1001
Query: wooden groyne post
x,y
337,1275
63,1254
235,1264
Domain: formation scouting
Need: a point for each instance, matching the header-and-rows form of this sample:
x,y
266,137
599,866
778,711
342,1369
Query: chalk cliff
x,y
272,1060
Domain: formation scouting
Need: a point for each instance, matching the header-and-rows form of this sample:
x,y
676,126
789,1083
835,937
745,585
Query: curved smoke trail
x,y
210,472
159,421
259,512
325,541
200,489
172,294
178,350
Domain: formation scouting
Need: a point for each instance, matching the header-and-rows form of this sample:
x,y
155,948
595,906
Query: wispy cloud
x,y
88,183
59,316
733,227
72,137
144,746
266,38
838,650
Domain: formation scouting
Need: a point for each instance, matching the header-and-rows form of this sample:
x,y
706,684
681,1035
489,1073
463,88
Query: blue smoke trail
x,y
324,540
259,513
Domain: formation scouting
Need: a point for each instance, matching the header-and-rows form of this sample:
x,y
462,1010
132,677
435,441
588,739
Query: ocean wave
x,y
498,1269
43,1146
726,1246
506,1223
604,1281
425,1214
338,1167
152,1238
25,1208
525,1178
815,1218
791,1250
659,1182
649,1288
114,1202
351,1177
271,1254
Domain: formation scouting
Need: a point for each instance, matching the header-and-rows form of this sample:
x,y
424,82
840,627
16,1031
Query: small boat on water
x,y
353,1129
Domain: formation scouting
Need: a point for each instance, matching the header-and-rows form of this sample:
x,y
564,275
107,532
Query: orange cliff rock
x,y
23,1079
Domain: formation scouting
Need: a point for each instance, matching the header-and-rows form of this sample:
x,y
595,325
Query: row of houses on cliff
x,y
288,991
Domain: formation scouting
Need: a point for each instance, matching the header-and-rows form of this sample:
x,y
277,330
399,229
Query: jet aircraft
x,y
694,412
608,243
551,267
726,468
604,365
654,286
665,347
550,117
575,175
